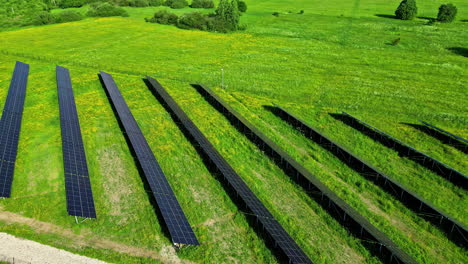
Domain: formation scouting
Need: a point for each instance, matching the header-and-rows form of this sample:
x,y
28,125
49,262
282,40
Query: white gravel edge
x,y
18,250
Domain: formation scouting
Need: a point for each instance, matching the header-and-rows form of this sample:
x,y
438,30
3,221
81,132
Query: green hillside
x,y
335,57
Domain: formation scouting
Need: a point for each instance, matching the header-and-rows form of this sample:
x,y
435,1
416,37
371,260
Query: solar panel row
x,y
403,149
10,126
172,213
462,140
455,230
278,237
80,200
388,251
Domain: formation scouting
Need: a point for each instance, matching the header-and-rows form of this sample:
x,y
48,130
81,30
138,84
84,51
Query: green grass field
x,y
335,57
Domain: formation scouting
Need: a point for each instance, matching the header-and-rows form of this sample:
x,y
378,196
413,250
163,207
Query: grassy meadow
x,y
334,57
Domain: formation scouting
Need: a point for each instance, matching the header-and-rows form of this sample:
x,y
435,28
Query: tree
x,y
447,13
227,16
407,10
242,6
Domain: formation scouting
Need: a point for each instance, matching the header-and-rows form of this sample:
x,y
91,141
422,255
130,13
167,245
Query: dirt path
x,y
19,250
166,254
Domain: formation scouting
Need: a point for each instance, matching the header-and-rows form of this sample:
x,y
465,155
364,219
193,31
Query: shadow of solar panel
x,y
10,126
455,230
380,244
174,218
460,139
80,200
278,238
443,170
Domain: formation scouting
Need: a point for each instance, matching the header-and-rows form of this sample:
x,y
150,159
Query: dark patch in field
x,y
440,136
459,51
386,16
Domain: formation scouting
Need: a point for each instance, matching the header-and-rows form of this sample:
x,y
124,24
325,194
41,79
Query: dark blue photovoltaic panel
x,y
278,237
452,175
343,212
80,200
425,209
176,222
445,132
10,126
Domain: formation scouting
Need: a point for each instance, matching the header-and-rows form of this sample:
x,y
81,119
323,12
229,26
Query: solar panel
x,y
10,126
455,230
446,133
278,238
452,175
343,212
174,218
80,200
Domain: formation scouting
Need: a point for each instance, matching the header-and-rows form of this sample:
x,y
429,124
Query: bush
x,y
195,20
71,3
163,17
156,2
276,14
225,19
202,4
100,9
68,16
301,12
407,10
447,13
176,4
138,3
43,18
242,6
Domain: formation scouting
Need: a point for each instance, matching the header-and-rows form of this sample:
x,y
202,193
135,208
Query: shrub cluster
x,y
447,13
71,3
176,4
104,9
68,16
156,2
225,19
195,20
407,10
163,17
45,18
202,4
137,3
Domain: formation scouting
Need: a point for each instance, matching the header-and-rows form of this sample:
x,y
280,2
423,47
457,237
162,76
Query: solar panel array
x,y
278,237
455,230
10,126
462,140
403,149
174,217
343,212
80,200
